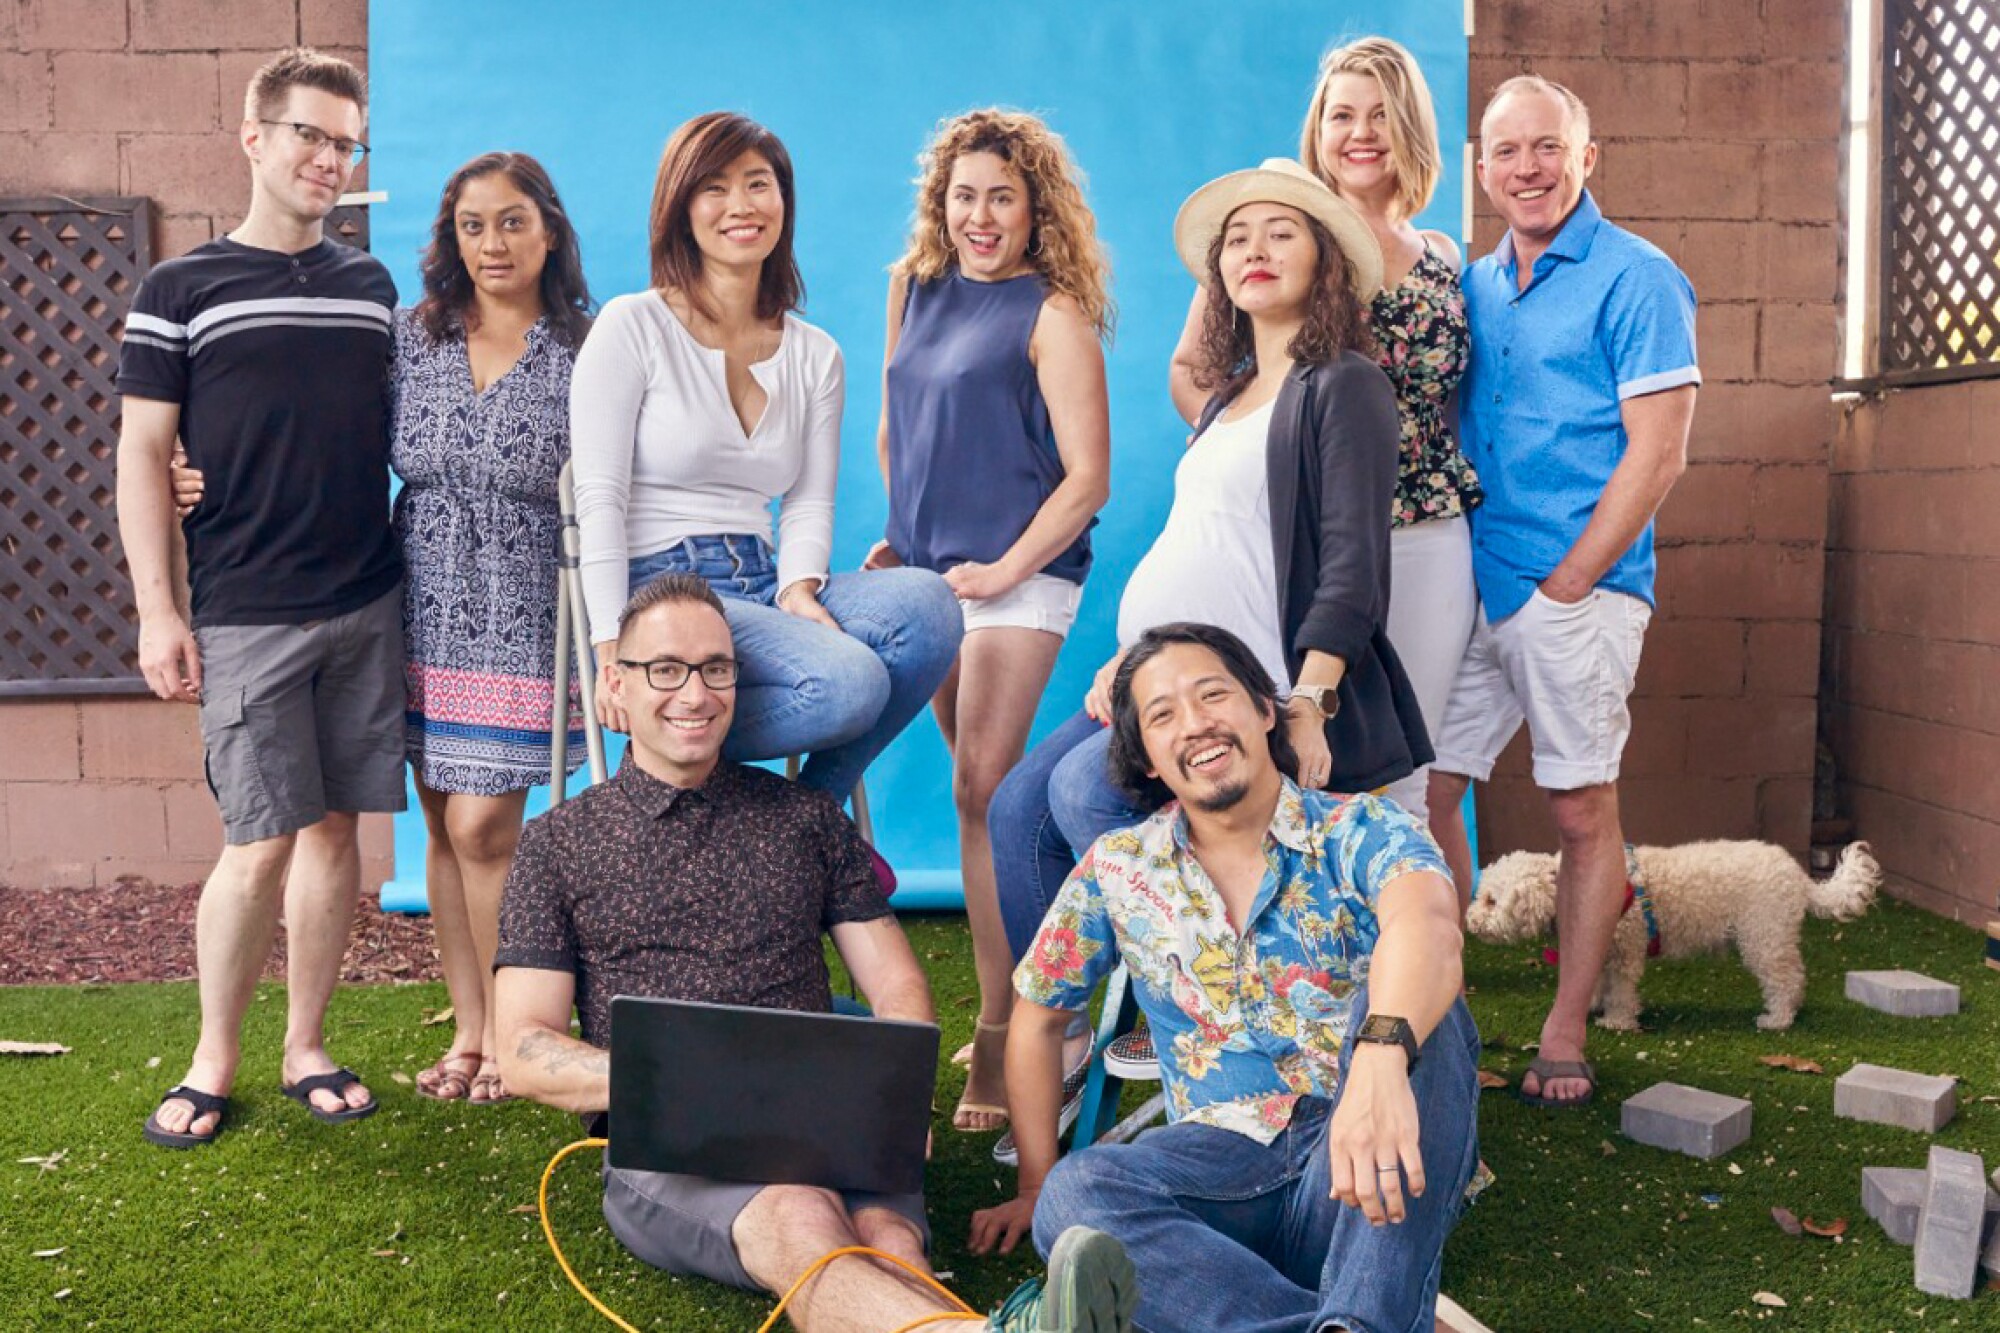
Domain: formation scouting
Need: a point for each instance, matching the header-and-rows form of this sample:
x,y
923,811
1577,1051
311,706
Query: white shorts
x,y
1044,602
1567,671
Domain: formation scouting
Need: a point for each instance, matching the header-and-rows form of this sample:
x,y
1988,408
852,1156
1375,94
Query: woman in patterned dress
x,y
1371,135
482,381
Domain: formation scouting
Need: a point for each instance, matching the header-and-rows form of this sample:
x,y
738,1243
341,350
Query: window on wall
x,y
1933,116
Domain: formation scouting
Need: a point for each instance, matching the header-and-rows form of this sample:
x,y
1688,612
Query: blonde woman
x,y
1370,134
995,444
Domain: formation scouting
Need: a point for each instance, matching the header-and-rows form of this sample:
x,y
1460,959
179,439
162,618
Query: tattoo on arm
x,y
560,1054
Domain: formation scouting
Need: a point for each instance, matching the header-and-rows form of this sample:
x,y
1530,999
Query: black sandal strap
x,y
204,1103
336,1081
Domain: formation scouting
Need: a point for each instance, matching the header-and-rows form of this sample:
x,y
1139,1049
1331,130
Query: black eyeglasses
x,y
667,674
348,150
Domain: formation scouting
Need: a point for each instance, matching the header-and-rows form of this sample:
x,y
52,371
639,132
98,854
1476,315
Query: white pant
x,y
1567,671
1432,606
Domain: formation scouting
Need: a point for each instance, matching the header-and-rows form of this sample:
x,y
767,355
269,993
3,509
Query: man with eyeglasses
x,y
266,354
1574,412
692,878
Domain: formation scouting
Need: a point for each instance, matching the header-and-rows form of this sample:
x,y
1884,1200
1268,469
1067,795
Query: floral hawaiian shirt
x,y
1247,1023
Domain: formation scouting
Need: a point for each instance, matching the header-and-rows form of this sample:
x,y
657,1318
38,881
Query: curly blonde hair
x,y
1063,247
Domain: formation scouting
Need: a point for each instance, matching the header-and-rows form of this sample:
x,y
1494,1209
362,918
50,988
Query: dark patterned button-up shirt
x,y
718,893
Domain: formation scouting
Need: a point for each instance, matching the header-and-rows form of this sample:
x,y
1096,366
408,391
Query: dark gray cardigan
x,y
1331,460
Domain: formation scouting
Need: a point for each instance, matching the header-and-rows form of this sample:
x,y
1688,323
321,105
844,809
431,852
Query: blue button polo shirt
x,y
1606,317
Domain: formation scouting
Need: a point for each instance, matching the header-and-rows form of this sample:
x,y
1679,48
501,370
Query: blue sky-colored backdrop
x,y
1154,97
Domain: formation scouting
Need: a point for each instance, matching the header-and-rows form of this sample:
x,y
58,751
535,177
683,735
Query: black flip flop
x,y
336,1082
1550,1070
204,1103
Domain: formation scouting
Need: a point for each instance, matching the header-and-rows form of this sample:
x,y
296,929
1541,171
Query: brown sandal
x,y
488,1081
444,1083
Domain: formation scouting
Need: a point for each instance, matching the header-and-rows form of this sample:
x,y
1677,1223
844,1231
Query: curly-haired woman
x,y
1276,530
995,443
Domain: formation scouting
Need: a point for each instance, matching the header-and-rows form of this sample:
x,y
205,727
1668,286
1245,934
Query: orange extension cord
x,y
963,1311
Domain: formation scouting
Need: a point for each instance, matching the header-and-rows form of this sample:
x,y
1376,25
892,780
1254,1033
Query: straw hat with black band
x,y
1279,181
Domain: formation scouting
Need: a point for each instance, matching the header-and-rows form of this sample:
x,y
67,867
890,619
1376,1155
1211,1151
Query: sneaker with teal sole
x,y
1091,1287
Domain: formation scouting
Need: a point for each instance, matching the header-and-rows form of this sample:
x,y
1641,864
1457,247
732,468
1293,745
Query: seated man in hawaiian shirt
x,y
1297,954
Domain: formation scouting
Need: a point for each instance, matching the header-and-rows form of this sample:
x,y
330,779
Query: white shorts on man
x,y
1567,670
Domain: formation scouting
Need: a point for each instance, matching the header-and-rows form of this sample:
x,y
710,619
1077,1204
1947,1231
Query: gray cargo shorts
x,y
682,1224
298,720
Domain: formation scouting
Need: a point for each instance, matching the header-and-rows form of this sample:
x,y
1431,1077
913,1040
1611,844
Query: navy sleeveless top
x,y
971,453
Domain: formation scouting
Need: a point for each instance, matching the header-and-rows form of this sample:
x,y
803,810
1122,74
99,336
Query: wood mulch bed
x,y
136,930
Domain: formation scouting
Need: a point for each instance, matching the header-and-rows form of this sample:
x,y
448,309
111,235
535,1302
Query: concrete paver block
x,y
1894,1197
1686,1120
1948,1234
1883,1096
1904,994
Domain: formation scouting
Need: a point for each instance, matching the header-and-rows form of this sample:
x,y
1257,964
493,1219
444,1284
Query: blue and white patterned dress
x,y
480,528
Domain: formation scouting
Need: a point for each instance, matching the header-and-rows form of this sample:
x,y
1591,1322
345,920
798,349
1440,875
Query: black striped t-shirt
x,y
280,365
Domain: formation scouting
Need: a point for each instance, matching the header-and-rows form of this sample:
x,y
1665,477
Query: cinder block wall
x,y
1913,640
1719,122
134,97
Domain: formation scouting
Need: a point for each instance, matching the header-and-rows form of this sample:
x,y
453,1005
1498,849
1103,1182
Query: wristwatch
x,y
1384,1030
1325,698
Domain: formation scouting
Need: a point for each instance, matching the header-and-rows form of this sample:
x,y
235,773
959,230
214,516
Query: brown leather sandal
x,y
488,1081
444,1083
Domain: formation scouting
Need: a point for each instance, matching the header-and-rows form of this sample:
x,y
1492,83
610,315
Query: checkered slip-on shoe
x,y
1132,1058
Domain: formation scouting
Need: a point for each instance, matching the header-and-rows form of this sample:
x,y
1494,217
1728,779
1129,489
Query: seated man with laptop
x,y
686,878
1297,956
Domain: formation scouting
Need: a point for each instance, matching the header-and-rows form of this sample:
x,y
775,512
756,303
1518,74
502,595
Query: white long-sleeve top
x,y
659,454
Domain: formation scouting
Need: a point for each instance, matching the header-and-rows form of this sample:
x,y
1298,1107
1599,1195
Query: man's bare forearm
x,y
558,1070
145,529
1034,1088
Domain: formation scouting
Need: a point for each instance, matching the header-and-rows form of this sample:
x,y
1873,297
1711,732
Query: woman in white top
x,y
1371,135
697,403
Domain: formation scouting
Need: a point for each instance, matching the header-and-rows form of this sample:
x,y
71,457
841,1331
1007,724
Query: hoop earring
x,y
1035,244
944,239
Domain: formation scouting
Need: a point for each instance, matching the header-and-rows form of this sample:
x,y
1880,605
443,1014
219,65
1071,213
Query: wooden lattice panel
x,y
1941,174
68,271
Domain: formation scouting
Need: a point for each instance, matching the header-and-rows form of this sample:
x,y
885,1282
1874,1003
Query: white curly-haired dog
x,y
1705,895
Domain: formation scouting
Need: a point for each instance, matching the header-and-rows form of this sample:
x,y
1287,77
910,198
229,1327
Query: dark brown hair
x,y
678,588
1126,760
301,67
699,150
1335,321
449,309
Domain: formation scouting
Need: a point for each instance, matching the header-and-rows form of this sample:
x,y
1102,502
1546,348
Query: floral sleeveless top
x,y
1422,340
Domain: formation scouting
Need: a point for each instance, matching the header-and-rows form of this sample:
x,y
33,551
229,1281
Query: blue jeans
x,y
1044,816
1233,1236
837,698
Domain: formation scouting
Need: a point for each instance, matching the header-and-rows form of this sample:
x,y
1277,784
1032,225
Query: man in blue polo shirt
x,y
266,353
1575,411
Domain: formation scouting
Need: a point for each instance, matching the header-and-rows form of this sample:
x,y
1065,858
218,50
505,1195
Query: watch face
x,y
1380,1027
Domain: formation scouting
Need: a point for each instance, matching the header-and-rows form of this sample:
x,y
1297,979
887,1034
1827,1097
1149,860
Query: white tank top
x,y
1212,562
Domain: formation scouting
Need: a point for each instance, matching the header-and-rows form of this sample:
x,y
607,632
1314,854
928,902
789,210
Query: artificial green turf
x,y
412,1219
